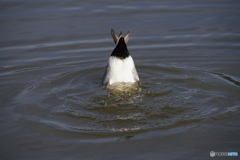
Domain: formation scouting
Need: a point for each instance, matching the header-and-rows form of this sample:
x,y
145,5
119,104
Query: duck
x,y
120,67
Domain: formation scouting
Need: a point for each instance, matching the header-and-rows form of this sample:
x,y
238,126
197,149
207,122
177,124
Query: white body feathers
x,y
120,70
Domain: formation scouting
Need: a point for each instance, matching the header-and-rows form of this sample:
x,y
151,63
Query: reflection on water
x,y
52,59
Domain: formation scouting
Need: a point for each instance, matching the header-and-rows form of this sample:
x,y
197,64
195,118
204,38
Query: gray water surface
x,y
52,58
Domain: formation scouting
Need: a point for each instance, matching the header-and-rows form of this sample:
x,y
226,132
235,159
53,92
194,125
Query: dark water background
x,y
52,59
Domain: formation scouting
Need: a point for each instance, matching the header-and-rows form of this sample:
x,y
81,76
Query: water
x,y
52,58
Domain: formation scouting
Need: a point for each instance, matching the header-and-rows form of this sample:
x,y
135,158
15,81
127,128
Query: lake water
x,y
52,58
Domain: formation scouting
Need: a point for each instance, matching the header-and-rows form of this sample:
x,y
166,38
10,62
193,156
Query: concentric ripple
x,y
167,96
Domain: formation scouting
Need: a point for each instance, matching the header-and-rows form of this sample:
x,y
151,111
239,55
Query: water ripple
x,y
83,106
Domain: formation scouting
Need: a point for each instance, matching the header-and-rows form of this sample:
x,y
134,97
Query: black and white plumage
x,y
120,67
